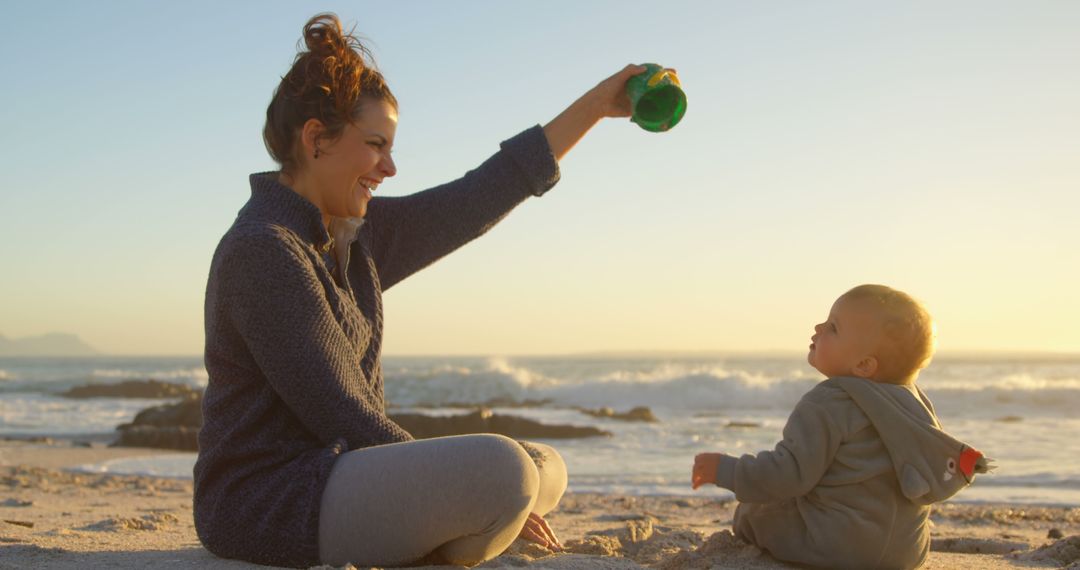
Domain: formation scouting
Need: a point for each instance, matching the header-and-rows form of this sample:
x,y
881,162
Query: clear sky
x,y
931,146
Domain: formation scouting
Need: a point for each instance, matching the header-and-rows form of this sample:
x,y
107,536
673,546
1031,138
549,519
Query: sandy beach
x,y
55,518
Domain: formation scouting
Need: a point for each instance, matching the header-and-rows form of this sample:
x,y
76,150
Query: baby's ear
x,y
866,368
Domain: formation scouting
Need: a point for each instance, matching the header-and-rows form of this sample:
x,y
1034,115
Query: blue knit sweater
x,y
293,347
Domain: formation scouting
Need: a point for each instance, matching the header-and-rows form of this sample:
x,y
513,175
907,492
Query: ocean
x,y
1020,411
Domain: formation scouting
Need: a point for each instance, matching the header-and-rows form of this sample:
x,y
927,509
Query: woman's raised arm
x,y
607,99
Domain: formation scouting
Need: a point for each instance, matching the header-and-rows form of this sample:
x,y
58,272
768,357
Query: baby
x,y
863,454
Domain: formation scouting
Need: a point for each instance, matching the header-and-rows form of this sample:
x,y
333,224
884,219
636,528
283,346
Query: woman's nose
x,y
817,327
388,167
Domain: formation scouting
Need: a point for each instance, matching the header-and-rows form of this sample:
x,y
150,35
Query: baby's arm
x,y
793,468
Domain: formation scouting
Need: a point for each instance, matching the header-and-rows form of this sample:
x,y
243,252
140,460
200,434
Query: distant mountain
x,y
53,344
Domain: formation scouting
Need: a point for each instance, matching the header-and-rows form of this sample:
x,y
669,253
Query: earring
x,y
316,153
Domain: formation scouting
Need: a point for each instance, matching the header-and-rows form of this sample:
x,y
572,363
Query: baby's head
x,y
874,332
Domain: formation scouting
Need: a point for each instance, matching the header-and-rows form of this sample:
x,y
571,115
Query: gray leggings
x,y
460,500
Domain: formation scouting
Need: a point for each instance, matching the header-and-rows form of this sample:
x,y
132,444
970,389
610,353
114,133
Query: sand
x,y
54,518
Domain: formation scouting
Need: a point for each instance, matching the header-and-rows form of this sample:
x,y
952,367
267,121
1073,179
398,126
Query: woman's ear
x,y
309,135
866,368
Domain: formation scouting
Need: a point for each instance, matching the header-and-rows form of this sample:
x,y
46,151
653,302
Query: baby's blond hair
x,y
909,335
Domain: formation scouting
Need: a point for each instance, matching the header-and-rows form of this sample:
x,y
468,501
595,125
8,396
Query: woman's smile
x,y
370,183
365,187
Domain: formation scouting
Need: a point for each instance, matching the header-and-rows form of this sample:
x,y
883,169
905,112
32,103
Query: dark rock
x,y
492,403
176,426
423,426
734,424
186,413
1055,533
169,426
170,437
28,439
508,403
638,414
132,389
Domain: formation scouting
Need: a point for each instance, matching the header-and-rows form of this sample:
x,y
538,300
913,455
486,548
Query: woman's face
x,y
350,168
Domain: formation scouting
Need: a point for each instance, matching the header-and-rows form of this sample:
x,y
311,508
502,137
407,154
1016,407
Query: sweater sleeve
x,y
278,307
793,468
411,232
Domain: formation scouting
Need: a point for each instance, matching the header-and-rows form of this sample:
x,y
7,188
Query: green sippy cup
x,y
657,99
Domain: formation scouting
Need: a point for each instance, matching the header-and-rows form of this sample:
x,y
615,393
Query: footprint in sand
x,y
153,522
1064,552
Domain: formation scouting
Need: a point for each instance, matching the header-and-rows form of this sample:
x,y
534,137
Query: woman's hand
x,y
607,99
536,530
609,96
705,467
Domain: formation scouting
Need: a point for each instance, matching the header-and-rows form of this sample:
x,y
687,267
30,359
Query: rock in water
x,y
176,426
187,413
171,426
638,414
171,437
132,389
737,424
422,426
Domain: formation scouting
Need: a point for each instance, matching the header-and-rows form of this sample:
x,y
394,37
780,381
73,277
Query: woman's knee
x,y
510,471
553,476
504,485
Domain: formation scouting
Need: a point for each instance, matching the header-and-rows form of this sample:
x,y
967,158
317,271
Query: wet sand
x,y
54,518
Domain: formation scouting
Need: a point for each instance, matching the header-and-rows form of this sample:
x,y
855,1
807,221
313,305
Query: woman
x,y
298,462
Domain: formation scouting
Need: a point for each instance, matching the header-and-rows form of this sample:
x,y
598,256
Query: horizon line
x,y
621,353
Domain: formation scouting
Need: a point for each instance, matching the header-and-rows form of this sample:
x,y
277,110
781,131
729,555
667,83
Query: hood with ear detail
x,y
930,464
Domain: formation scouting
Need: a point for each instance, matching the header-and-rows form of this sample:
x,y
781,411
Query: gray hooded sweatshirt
x,y
850,484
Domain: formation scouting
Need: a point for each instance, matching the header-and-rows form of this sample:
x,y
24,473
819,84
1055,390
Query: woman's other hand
x,y
536,530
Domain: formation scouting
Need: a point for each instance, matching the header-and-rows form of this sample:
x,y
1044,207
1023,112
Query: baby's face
x,y
846,338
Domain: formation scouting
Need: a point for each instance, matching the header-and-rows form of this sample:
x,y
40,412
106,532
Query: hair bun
x,y
324,38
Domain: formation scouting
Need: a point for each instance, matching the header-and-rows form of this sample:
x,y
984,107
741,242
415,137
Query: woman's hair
x,y
909,334
332,75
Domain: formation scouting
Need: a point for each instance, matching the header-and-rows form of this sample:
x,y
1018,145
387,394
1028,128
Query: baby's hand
x,y
705,466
